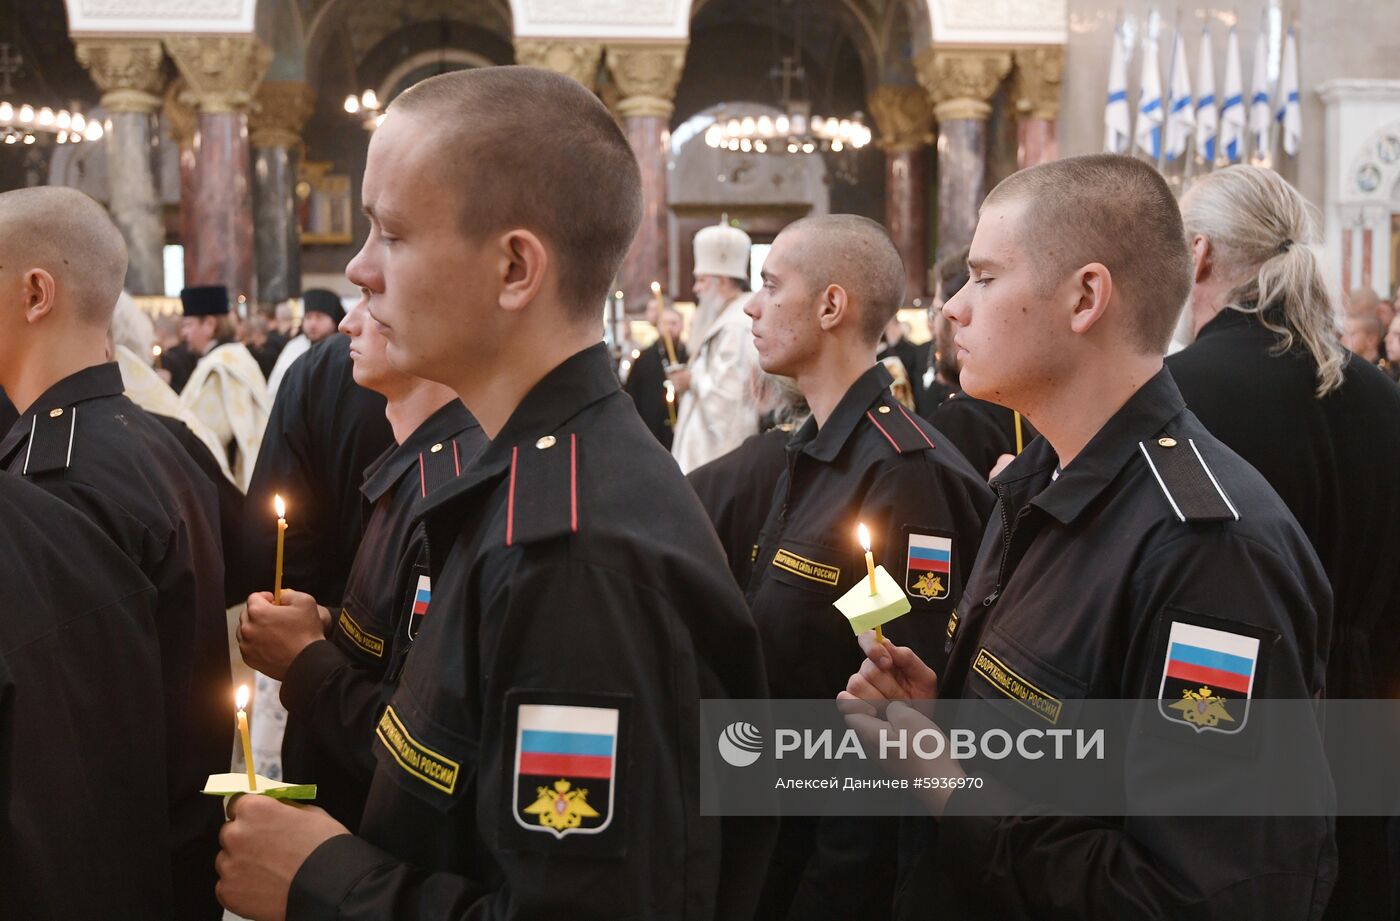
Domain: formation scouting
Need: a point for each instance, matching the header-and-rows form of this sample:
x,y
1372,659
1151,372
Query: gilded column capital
x,y
647,77
577,59
222,71
1036,81
128,71
960,81
281,110
178,113
903,116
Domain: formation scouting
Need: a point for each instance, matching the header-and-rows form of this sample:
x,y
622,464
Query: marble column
x,y
960,81
183,126
129,72
646,77
904,119
275,129
1036,89
223,73
577,59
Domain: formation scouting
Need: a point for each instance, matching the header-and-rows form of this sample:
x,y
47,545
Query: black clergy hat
x,y
208,301
319,300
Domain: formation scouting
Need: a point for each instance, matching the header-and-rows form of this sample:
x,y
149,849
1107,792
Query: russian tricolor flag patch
x,y
1208,677
928,575
565,767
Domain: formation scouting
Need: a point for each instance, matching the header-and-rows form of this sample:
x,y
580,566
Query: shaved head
x,y
1113,210
857,254
68,235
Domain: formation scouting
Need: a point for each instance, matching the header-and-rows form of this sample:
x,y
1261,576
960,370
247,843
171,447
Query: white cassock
x,y
717,412
227,393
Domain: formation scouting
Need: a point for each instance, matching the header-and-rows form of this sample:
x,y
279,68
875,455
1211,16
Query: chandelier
x,y
795,131
22,123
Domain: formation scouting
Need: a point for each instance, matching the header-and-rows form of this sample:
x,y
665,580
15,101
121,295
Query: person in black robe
x,y
646,382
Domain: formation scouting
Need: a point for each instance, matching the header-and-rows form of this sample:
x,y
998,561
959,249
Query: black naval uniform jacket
x,y
876,463
539,755
332,691
736,490
873,462
79,680
323,432
87,443
1154,530
981,430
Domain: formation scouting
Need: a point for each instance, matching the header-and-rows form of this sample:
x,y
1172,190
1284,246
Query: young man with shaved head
x,y
331,662
62,263
537,756
830,286
1132,557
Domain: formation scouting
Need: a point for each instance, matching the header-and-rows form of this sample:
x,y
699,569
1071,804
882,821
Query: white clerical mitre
x,y
722,250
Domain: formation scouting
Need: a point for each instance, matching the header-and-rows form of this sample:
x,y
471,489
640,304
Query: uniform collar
x,y
825,443
104,380
580,381
451,420
1147,412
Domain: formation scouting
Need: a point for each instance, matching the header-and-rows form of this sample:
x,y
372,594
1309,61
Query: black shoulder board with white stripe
x,y
899,426
51,440
1188,483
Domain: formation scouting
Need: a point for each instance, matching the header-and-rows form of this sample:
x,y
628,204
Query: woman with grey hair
x,y
1267,376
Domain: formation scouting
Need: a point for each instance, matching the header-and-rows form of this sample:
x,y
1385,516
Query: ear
x,y
39,294
523,263
1093,289
1202,257
833,307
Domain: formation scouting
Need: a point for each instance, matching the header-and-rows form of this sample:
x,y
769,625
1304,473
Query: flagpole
x,y
1166,95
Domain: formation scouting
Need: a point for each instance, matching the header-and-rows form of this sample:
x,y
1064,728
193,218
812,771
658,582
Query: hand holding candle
x,y
241,699
281,533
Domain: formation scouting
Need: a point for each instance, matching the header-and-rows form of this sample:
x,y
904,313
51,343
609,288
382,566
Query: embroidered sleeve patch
x,y
565,767
1208,678
1007,681
434,769
807,569
929,573
361,637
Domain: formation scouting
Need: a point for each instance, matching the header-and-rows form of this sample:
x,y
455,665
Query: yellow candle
x,y
864,534
670,347
1020,440
671,403
281,533
241,698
